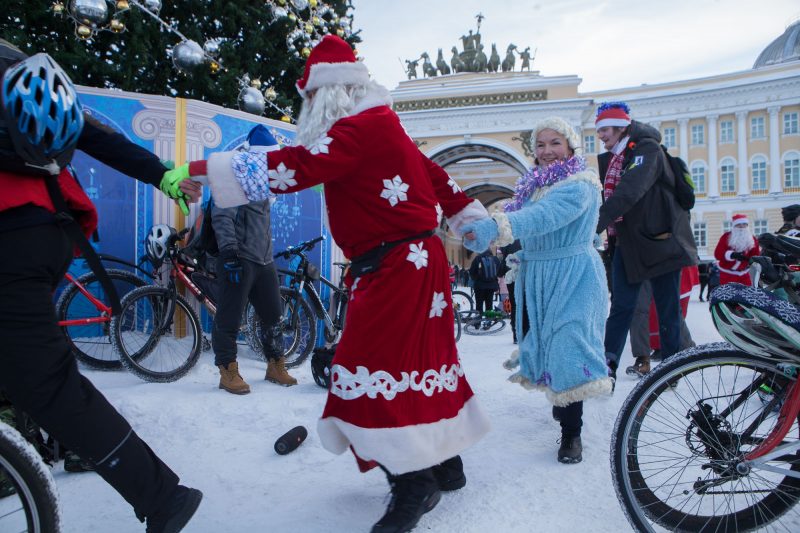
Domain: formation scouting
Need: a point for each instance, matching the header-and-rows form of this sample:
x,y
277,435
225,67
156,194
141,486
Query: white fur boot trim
x,y
512,362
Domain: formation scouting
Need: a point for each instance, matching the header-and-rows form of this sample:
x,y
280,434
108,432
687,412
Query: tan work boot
x,y
231,380
276,373
640,367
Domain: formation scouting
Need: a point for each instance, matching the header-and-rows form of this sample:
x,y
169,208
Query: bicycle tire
x,y
462,302
157,355
483,326
33,507
298,341
93,350
457,326
635,472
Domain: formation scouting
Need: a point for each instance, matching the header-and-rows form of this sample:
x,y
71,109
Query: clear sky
x,y
608,43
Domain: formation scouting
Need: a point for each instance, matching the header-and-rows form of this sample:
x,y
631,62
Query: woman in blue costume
x,y
561,285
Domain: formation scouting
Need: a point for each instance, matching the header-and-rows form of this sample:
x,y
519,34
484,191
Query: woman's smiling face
x,y
551,146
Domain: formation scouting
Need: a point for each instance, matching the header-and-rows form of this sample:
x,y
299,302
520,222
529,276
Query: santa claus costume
x,y
734,249
399,397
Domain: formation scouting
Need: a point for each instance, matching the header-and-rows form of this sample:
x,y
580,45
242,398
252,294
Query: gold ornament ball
x,y
315,20
256,83
83,31
312,3
58,8
285,118
305,52
117,26
340,32
122,5
281,2
270,94
309,28
213,67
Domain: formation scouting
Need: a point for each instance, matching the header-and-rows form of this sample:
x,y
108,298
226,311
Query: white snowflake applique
x,y
438,305
321,145
418,255
394,190
282,178
353,289
453,185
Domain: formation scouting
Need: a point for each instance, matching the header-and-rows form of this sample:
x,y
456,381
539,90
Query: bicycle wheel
x,y
457,326
299,328
475,325
462,302
158,339
681,437
28,501
90,342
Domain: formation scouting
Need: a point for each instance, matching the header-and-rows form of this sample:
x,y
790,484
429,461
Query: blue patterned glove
x,y
485,232
232,266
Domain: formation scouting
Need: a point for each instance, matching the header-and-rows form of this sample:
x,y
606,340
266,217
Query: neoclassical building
x,y
738,132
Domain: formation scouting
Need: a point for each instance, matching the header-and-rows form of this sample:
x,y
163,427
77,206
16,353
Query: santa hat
x,y
561,126
739,219
612,114
260,140
332,62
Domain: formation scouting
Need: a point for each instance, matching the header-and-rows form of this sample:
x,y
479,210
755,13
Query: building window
x,y
757,128
669,137
726,226
588,144
759,226
727,175
699,177
698,134
726,131
791,170
700,234
790,124
758,173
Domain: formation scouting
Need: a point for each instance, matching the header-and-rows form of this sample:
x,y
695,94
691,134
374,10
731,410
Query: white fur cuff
x,y
472,212
504,236
225,188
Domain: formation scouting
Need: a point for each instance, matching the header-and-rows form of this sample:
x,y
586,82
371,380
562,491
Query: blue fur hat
x,y
261,140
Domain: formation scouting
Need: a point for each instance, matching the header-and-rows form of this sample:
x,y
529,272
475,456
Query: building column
x,y
775,182
683,134
741,140
712,175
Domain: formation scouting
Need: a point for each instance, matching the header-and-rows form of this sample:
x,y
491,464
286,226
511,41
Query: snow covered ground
x,y
223,445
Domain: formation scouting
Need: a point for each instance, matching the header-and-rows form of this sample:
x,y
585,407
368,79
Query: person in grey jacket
x,y
652,235
246,271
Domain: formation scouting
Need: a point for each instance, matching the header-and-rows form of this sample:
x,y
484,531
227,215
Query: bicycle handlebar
x,y
300,248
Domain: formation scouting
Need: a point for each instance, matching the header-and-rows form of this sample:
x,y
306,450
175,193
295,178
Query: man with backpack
x,y
652,236
484,271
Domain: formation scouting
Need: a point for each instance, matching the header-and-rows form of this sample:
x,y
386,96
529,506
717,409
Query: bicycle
x,y
490,322
301,313
32,505
83,311
709,440
462,302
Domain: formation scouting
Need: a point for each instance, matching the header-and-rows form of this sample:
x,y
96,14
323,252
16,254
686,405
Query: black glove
x,y
232,267
739,256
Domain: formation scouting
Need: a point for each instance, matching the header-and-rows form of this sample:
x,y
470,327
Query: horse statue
x,y
479,65
411,68
525,56
508,62
456,62
427,67
441,64
494,59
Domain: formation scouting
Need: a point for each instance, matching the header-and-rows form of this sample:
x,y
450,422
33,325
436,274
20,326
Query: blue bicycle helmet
x,y
42,112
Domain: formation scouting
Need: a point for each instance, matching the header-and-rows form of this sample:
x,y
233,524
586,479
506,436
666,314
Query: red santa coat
x,y
399,396
732,270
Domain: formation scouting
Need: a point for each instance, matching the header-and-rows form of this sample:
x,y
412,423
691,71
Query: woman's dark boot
x,y
450,474
413,495
571,450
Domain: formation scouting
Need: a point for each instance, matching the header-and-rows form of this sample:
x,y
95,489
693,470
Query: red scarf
x,y
613,175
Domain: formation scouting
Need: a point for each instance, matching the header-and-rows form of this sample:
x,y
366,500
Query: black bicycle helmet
x,y
41,110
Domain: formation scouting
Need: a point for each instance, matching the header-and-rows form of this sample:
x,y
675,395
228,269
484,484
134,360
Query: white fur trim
x,y
512,362
225,187
589,176
504,236
621,122
343,73
561,126
377,95
472,212
262,148
598,387
409,448
728,255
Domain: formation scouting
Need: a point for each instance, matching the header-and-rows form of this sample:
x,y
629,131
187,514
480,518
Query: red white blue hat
x,y
612,114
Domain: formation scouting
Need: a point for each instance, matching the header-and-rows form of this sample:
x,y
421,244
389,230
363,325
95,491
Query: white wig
x,y
561,126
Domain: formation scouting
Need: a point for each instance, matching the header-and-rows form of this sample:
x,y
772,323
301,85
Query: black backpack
x,y
202,239
487,270
684,185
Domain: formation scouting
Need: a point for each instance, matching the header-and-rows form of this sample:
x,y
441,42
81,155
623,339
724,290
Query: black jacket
x,y
476,272
655,236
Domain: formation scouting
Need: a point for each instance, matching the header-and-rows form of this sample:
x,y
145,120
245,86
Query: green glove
x,y
169,163
172,179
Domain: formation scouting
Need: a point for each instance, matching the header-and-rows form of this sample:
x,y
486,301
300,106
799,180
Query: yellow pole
x,y
180,219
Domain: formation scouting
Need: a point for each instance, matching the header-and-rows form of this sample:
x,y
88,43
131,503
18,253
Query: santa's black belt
x,y
370,261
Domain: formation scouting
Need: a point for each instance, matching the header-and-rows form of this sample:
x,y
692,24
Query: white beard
x,y
741,240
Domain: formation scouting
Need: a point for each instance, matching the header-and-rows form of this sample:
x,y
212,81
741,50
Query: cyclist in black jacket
x,y
37,370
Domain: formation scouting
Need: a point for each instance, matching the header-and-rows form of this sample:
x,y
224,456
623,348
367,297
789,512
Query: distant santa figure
x,y
734,250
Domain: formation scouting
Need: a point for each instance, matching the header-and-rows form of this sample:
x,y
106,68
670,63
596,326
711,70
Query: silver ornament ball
x,y
300,4
187,55
153,5
89,12
251,101
211,47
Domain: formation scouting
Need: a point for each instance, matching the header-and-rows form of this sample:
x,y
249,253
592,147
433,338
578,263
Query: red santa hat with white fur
x,y
739,219
332,62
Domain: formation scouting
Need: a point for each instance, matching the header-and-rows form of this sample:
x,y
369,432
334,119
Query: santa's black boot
x,y
413,495
450,474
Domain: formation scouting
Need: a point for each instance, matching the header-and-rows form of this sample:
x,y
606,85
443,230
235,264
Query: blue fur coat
x,y
562,283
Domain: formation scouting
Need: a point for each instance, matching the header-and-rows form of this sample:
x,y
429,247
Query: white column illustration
x,y
775,184
713,171
683,134
743,167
